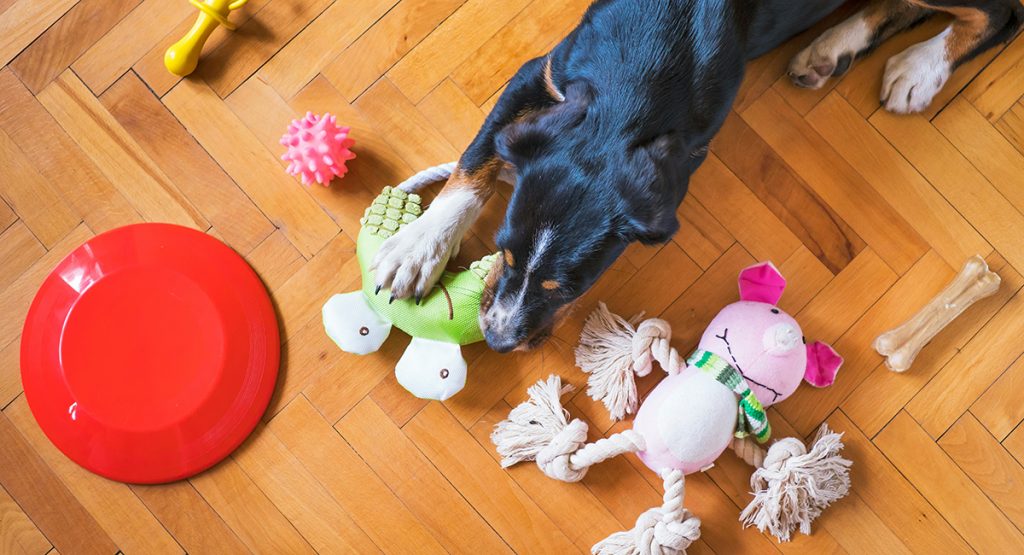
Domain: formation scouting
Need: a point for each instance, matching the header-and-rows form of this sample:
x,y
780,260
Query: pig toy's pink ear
x,y
823,363
762,283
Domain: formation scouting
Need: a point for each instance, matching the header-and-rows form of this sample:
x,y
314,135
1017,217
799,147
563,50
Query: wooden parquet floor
x,y
866,213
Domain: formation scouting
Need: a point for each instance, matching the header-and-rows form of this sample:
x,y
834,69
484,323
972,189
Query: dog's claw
x,y
391,300
419,297
377,290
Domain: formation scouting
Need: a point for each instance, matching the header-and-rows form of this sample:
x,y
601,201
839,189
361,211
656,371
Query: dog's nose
x,y
500,342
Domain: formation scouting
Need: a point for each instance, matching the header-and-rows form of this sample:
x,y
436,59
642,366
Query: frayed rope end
x,y
605,352
795,484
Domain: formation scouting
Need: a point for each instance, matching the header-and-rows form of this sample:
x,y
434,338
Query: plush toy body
x,y
432,366
751,356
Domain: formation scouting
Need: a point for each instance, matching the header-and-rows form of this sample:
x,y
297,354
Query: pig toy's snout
x,y
782,338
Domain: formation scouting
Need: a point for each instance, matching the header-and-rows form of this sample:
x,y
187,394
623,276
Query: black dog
x,y
605,131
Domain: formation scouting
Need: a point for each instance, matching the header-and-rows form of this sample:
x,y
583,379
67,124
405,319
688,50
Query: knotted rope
x,y
668,529
539,430
793,484
612,350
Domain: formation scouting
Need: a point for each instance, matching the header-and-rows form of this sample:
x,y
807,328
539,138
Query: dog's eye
x,y
700,152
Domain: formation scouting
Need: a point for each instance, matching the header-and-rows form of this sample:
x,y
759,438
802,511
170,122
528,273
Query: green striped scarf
x,y
752,419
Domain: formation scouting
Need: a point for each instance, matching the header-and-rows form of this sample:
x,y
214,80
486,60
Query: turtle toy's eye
x,y
444,373
364,331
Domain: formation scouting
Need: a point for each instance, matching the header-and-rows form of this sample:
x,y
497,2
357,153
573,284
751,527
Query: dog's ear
x,y
534,132
654,185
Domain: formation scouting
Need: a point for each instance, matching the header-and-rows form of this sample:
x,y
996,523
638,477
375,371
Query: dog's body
x,y
606,129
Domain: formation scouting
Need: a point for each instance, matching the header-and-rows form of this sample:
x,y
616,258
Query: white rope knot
x,y
664,530
555,458
652,341
781,451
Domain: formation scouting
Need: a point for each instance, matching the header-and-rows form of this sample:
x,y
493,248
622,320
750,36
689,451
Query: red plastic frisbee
x,y
150,353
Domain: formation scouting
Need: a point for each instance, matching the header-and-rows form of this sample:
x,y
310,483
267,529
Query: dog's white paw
x,y
830,54
411,262
913,77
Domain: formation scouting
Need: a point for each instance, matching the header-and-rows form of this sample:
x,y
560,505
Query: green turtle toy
x,y
432,366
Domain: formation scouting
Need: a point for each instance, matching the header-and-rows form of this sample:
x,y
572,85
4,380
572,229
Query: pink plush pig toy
x,y
752,355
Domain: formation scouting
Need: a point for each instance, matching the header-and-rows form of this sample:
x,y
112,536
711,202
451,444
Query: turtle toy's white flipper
x,y
432,369
353,324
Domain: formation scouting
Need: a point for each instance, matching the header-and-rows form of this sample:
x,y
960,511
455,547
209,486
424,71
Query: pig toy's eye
x,y
775,311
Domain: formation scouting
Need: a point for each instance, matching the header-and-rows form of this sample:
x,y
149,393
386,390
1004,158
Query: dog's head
x,y
583,193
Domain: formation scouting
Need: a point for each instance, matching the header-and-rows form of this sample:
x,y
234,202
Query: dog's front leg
x,y
411,262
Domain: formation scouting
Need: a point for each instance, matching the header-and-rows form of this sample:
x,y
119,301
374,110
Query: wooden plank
x,y
19,249
197,175
837,182
985,147
450,44
479,479
320,42
884,393
300,298
531,33
10,372
361,493
253,168
418,483
18,535
247,511
452,113
657,284
40,493
32,197
803,211
404,127
931,215
112,504
18,296
1011,126
58,159
940,403
256,41
882,487
386,42
999,409
958,180
84,24
991,468
25,20
275,260
293,490
946,487
116,154
7,216
805,277
189,518
1001,84
700,235
120,48
746,217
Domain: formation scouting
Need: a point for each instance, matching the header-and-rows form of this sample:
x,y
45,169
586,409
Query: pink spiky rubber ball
x,y
317,148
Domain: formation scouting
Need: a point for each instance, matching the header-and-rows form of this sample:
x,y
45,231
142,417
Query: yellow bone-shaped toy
x,y
183,56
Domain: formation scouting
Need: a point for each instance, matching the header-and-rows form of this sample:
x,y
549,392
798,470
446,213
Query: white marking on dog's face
x,y
504,317
913,77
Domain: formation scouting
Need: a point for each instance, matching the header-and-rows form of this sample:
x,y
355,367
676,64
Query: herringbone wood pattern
x,y
866,213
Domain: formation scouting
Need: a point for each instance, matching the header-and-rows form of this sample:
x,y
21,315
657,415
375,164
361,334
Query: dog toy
x,y
751,356
317,148
432,367
182,57
900,346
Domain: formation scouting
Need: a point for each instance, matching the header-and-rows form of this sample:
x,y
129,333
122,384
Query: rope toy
x,y
751,356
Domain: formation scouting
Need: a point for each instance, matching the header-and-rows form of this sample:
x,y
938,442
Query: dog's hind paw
x,y
831,54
